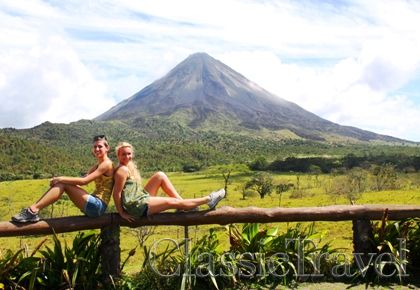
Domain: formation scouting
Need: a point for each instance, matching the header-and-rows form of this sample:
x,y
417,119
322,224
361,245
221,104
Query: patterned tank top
x,y
103,187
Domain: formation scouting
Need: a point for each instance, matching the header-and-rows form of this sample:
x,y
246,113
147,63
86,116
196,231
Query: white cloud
x,y
48,82
358,91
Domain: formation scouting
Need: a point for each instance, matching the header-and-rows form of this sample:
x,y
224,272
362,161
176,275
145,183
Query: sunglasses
x,y
99,137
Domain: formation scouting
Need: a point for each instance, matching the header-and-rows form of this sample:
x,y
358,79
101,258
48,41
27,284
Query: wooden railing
x,y
224,215
110,223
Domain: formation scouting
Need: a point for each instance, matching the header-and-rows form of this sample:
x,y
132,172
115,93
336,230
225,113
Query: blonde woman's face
x,y
125,155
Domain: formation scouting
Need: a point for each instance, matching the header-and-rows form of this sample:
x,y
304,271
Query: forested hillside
x,y
60,149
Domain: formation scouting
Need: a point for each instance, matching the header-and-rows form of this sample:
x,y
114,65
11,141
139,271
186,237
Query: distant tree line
x,y
401,162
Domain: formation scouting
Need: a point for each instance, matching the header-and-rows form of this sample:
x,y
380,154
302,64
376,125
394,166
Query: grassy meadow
x,y
15,195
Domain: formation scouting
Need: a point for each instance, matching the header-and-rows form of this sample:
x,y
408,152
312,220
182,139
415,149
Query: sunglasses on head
x,y
100,137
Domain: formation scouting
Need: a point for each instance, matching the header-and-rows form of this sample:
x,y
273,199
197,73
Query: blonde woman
x,y
92,205
134,201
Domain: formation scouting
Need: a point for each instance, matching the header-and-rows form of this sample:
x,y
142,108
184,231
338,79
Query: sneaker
x,y
26,216
215,197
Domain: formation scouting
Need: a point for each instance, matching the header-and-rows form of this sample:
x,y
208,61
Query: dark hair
x,y
99,137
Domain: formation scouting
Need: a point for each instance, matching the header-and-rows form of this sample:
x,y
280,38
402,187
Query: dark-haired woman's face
x,y
100,148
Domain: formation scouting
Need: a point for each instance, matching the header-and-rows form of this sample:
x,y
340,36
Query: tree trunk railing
x,y
224,215
110,223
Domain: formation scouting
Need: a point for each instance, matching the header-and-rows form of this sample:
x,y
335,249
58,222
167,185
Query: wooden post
x,y
186,279
363,238
110,251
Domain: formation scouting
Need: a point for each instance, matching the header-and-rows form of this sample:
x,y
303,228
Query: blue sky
x,y
352,62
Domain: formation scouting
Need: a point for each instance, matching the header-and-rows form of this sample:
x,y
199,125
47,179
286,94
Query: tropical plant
x,y
73,267
305,250
20,270
160,269
390,260
55,268
413,244
266,256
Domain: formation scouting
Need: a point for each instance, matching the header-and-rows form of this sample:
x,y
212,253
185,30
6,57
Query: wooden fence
x,y
110,224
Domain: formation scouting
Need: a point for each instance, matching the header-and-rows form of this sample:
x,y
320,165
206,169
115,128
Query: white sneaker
x,y
215,197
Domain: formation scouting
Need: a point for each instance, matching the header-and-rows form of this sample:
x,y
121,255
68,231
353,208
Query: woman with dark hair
x,y
92,205
134,201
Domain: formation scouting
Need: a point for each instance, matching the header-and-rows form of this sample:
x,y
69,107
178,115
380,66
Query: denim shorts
x,y
94,206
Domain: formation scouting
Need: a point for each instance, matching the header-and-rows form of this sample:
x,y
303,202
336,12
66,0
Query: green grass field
x,y
15,195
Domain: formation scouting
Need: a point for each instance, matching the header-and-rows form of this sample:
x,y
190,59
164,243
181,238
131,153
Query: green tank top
x,y
134,198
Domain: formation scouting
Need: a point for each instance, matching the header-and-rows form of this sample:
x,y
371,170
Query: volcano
x,y
205,94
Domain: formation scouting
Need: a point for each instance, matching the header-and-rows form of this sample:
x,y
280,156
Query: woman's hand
x,y
54,181
127,217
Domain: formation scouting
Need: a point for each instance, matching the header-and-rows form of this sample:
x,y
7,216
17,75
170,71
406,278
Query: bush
x,y
57,268
253,258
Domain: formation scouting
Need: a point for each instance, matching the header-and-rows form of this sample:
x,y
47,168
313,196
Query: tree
x,y
350,185
282,187
226,176
262,183
245,191
385,176
357,178
340,186
259,164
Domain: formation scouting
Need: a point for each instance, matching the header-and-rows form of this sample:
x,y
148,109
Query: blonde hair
x,y
132,167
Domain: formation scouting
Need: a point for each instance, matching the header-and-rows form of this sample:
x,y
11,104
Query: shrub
x,y
56,268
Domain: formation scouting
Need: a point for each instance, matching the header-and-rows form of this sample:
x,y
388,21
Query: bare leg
x,y
157,204
160,180
76,194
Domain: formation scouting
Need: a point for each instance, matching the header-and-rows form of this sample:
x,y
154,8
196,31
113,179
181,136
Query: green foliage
x,y
413,242
262,183
350,185
253,259
357,178
21,269
280,257
385,176
399,161
395,243
281,188
76,266
57,268
259,164
64,149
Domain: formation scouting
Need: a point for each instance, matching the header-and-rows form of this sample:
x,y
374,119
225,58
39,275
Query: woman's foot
x,y
215,198
26,216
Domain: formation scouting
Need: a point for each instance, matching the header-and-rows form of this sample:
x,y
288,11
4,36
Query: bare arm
x,y
120,177
92,169
103,168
